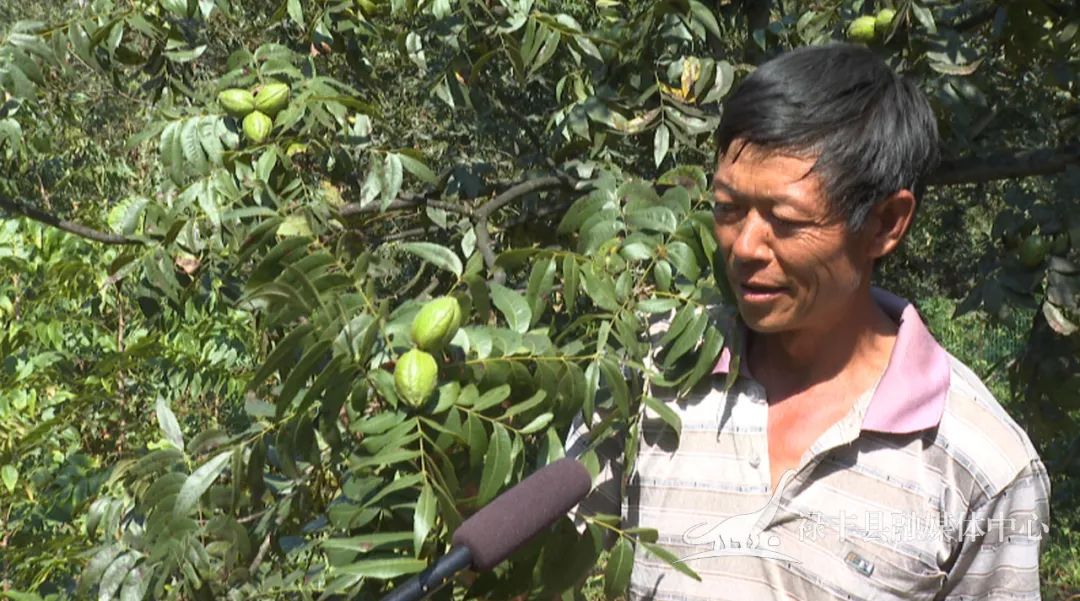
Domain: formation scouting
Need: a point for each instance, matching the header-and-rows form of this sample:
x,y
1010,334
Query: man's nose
x,y
751,242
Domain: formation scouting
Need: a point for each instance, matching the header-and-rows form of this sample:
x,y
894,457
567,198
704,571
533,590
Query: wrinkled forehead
x,y
749,171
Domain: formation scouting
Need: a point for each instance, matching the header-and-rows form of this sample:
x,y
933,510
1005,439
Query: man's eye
x,y
725,208
787,222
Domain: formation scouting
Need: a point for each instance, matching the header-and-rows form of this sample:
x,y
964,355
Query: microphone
x,y
503,526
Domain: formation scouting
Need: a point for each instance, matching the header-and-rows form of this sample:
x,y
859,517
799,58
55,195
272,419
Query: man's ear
x,y
888,222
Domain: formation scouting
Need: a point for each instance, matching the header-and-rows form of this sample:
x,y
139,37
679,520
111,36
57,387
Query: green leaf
x,y
636,251
617,573
476,437
496,465
599,233
599,287
296,12
419,169
384,569
570,281
616,381
423,517
437,255
282,350
114,576
686,340
666,413
683,318
660,219
192,147
10,476
538,423
657,305
710,350
198,482
135,584
492,397
705,16
299,375
367,542
540,281
512,306
669,558
172,154
661,143
534,401
592,383
169,426
392,178
682,257
101,560
649,535
481,300
925,17
294,225
385,458
581,210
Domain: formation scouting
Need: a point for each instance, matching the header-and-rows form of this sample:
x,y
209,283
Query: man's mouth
x,y
758,292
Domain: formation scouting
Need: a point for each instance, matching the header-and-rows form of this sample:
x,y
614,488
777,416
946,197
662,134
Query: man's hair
x,y
871,132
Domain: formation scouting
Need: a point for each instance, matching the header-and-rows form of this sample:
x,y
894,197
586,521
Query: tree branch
x,y
20,208
517,191
407,201
483,243
1010,165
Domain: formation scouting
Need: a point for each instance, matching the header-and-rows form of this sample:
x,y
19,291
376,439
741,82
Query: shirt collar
x,y
910,396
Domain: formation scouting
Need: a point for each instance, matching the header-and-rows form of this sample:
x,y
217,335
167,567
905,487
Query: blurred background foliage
x,y
199,328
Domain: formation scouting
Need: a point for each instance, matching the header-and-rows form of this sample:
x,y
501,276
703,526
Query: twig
x,y
259,556
70,227
416,231
429,288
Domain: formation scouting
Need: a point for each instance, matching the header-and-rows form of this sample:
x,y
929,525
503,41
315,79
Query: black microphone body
x,y
503,526
434,577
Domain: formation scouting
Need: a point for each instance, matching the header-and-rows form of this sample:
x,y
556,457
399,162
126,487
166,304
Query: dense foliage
x,y
202,313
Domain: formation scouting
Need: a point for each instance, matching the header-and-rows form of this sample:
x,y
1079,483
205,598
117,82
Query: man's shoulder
x,y
978,432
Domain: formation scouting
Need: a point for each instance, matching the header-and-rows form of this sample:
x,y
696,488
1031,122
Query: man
x,y
853,458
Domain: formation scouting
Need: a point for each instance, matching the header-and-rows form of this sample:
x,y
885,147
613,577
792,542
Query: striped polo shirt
x,y
926,489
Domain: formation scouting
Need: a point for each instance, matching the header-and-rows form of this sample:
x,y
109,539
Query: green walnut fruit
x,y
862,29
1033,251
271,98
237,102
883,21
415,377
436,323
257,127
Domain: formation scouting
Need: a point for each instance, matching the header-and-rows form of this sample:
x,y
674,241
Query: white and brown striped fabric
x,y
927,489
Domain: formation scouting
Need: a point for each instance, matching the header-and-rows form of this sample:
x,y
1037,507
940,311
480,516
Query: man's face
x,y
791,262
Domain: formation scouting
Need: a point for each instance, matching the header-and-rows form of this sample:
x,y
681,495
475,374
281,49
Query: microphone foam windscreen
x,y
514,517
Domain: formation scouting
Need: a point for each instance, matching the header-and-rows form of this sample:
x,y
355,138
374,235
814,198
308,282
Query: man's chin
x,y
763,322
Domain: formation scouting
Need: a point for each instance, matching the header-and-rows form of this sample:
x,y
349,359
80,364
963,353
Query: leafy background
x,y
196,399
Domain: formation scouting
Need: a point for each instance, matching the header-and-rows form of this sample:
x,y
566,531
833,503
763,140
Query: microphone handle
x,y
433,578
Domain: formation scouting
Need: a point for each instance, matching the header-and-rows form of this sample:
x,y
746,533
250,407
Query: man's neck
x,y
851,349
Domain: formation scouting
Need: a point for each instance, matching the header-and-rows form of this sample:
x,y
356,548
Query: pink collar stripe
x,y
911,394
